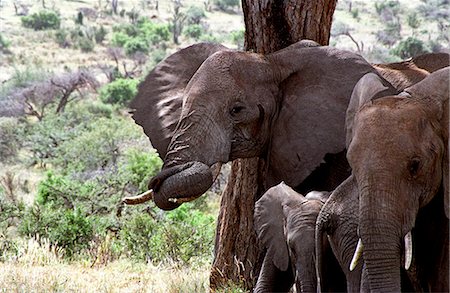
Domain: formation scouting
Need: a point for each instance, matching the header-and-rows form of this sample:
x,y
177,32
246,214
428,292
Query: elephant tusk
x,y
138,199
357,255
408,250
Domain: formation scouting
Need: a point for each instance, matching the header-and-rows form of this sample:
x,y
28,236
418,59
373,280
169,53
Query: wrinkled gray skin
x,y
398,151
338,219
207,104
285,224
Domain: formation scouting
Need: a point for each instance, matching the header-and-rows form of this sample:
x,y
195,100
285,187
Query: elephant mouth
x,y
178,184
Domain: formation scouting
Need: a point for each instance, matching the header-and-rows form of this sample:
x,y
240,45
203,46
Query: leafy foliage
x,y
410,47
45,19
120,91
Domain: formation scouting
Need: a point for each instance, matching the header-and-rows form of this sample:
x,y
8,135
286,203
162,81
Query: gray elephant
x,y
285,224
398,151
206,105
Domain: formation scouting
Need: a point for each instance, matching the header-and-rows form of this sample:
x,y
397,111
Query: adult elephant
x,y
398,151
285,225
206,105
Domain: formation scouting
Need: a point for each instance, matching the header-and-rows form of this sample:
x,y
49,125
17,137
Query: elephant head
x,y
398,151
285,225
206,105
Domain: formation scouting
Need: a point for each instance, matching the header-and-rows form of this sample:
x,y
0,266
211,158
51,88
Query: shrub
x,y
193,31
69,229
226,4
4,44
61,37
100,34
136,45
142,166
119,39
120,91
85,44
155,33
195,14
10,142
410,47
45,19
184,235
238,37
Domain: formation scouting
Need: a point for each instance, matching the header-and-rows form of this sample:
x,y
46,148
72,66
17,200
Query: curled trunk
x,y
181,183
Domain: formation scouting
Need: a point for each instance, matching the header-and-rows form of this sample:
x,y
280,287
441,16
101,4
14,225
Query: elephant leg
x,y
271,279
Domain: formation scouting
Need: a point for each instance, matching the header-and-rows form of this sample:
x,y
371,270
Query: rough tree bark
x,y
270,25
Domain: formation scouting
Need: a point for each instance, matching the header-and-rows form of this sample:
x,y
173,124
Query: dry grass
x,y
120,276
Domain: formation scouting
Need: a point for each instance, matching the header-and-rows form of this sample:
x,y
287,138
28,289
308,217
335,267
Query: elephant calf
x,y
285,224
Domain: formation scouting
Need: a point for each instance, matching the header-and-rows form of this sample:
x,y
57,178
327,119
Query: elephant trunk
x,y
182,183
380,232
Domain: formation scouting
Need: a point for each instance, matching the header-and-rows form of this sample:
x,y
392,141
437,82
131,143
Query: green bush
x,y
195,14
45,19
85,44
237,38
142,166
409,48
69,229
119,39
120,91
184,235
193,31
61,37
10,139
136,45
154,33
100,34
4,44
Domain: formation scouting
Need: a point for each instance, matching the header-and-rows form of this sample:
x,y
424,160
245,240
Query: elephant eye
x,y
236,109
414,166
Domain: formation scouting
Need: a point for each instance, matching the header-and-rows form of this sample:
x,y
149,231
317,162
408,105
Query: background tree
x,y
270,26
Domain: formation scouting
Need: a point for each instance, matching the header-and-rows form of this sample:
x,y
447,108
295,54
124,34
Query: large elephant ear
x,y
369,87
434,91
315,88
270,223
157,106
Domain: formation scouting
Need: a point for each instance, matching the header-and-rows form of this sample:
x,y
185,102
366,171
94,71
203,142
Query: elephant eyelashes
x,y
414,166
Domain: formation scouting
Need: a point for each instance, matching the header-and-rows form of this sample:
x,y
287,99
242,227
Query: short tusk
x,y
408,250
215,170
357,255
138,199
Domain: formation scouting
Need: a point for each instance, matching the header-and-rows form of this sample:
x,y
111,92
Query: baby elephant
x,y
285,224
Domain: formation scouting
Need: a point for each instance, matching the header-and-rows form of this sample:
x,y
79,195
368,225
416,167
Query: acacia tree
x,y
270,25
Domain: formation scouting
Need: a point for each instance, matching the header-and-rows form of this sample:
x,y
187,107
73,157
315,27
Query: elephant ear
x,y
270,224
434,92
157,105
370,87
315,87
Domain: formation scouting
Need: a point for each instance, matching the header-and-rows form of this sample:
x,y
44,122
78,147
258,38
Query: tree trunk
x,y
270,26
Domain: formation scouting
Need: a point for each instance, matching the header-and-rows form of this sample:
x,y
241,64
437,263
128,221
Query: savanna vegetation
x,y
69,150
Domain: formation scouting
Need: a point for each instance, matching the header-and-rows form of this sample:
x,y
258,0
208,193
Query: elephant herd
x,y
367,144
